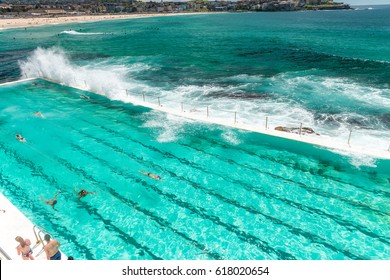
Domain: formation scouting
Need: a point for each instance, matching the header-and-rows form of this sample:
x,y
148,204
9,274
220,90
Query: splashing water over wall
x,y
54,64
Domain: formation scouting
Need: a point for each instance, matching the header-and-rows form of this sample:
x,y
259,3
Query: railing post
x,y
207,111
235,117
388,149
159,104
143,97
349,137
300,129
127,93
85,83
266,122
182,107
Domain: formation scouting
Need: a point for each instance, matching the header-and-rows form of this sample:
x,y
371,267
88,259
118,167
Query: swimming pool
x,y
224,193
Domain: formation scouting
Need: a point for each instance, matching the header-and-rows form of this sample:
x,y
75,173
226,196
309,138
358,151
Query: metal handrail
x,y
38,230
2,252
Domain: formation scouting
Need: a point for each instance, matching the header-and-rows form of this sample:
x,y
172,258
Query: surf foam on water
x,y
169,127
74,32
54,64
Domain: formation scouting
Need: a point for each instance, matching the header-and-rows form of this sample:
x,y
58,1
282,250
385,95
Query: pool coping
x,y
18,81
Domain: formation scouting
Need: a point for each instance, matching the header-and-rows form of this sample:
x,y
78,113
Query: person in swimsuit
x,y
52,248
20,138
53,201
84,97
83,193
24,248
151,175
38,114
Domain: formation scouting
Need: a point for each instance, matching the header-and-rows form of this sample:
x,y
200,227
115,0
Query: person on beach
x,y
53,201
83,193
52,248
20,138
24,248
151,175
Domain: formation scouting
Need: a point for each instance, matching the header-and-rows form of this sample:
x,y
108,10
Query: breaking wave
x,y
74,32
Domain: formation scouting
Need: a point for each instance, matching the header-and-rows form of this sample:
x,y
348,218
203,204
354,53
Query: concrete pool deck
x,y
13,223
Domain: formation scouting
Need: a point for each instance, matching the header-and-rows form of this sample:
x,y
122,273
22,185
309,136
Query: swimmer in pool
x,y
20,138
52,202
83,193
84,97
151,175
38,114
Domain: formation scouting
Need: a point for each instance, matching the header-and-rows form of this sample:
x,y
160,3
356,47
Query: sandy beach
x,y
39,21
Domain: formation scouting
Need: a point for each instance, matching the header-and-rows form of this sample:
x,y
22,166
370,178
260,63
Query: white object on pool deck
x,y
13,223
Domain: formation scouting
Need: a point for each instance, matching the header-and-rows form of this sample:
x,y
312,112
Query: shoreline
x,y
11,23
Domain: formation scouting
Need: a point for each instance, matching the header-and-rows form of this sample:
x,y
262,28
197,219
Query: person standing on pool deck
x,y
51,248
24,248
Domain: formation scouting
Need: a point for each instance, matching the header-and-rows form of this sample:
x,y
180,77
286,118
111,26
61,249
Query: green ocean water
x,y
225,194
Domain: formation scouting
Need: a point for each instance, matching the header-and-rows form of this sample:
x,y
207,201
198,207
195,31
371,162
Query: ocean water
x,y
224,193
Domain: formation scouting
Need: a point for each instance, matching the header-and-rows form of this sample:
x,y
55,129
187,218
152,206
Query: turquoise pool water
x,y
224,193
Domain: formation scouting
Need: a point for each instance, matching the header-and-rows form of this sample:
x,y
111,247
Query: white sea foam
x,y
248,111
357,160
169,128
109,80
335,89
231,137
74,32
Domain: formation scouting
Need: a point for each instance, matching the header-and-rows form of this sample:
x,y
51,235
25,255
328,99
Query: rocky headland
x,y
292,5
